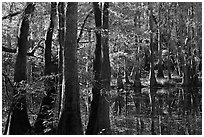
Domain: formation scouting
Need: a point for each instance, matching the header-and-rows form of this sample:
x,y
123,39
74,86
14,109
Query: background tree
x,y
92,127
151,22
18,122
99,115
48,102
160,73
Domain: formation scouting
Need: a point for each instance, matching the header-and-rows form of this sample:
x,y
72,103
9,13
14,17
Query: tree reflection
x,y
164,111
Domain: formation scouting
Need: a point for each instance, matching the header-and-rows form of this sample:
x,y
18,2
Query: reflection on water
x,y
175,111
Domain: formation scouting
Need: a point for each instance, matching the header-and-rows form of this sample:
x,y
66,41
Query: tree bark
x,y
106,69
152,73
137,62
61,14
18,122
70,120
92,128
105,74
169,44
48,41
99,122
160,73
48,102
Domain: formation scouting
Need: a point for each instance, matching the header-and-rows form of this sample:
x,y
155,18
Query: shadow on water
x,y
163,111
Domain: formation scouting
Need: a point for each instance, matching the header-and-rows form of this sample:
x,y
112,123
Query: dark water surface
x,y
162,111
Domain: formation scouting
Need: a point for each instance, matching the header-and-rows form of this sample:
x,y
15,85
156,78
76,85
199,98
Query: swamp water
x,y
162,111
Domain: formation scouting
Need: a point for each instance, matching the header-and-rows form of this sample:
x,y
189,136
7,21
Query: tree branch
x,y
82,27
10,50
11,15
6,49
34,48
7,78
9,81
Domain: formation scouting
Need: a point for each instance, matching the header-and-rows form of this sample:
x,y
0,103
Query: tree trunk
x,y
160,73
99,122
106,69
48,41
48,102
137,61
104,119
137,82
152,73
169,44
18,122
92,128
183,32
70,120
61,45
